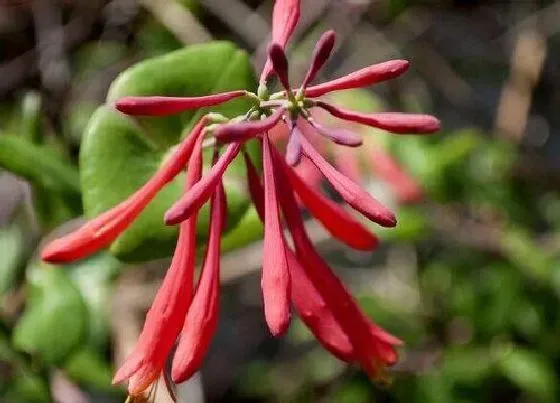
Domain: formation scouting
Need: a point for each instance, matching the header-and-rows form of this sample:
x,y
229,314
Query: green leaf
x,y
55,320
27,387
12,252
248,230
88,367
93,277
119,154
53,209
531,372
467,365
31,126
39,165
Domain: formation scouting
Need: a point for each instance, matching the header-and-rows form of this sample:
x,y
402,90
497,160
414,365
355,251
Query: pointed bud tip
x,y
390,220
123,104
433,124
275,50
401,64
329,37
171,217
279,63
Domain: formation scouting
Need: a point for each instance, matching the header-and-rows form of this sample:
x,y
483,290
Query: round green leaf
x,y
119,153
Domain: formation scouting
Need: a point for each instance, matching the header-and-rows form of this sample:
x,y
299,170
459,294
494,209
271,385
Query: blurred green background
x,y
470,278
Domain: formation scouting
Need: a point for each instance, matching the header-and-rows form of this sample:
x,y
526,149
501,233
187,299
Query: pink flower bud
x,y
361,78
394,122
321,54
231,132
353,194
279,63
163,106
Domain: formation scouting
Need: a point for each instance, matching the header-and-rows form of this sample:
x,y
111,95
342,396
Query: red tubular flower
x,y
373,349
234,132
164,106
339,136
361,78
285,16
202,317
193,200
395,122
315,313
353,194
321,54
275,277
336,220
167,314
104,229
308,302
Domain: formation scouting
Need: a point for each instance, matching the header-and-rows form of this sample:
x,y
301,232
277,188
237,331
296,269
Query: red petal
x,y
104,229
371,350
308,302
193,200
284,20
394,122
163,106
405,186
361,78
231,132
321,54
255,186
334,218
202,317
355,196
166,316
316,315
275,281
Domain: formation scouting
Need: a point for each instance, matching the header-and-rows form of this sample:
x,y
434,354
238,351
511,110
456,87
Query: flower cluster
x,y
296,277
